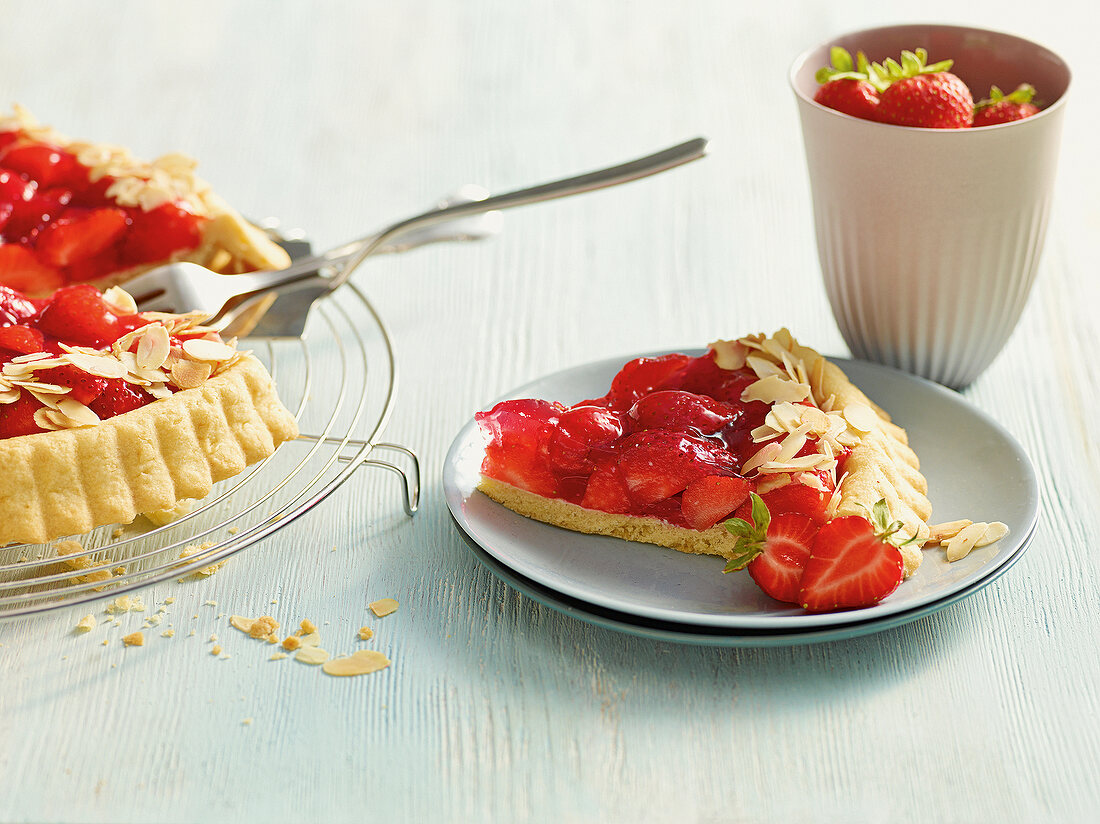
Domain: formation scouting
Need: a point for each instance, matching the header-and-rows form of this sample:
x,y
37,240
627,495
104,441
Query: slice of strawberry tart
x,y
760,451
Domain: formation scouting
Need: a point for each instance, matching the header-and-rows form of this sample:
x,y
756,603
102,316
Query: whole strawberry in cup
x,y
922,95
1004,108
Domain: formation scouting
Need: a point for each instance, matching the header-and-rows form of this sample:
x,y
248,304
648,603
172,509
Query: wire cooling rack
x,y
340,380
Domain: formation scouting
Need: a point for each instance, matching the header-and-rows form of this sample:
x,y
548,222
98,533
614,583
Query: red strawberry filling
x,y
669,440
77,358
76,316
59,225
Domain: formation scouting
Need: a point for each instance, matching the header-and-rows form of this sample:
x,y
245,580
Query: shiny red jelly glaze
x,y
76,315
73,232
667,441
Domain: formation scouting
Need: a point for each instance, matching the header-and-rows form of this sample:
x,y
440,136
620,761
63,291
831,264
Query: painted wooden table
x,y
337,117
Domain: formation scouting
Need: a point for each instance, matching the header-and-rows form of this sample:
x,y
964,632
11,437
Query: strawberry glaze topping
x,y
80,357
61,224
673,438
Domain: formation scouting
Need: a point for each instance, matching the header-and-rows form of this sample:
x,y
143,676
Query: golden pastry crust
x,y
648,530
880,463
72,480
230,244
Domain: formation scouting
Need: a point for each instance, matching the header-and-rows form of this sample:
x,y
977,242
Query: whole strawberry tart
x,y
81,212
107,412
759,451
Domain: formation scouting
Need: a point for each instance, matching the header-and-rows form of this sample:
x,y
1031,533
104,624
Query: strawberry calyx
x,y
913,63
1020,95
841,66
886,530
752,538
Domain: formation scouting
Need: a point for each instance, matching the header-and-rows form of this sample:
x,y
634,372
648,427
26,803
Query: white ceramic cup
x,y
929,239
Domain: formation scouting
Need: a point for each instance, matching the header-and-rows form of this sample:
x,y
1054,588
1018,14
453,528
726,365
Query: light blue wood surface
x,y
339,116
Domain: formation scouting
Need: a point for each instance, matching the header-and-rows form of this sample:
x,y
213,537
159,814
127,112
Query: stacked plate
x,y
974,469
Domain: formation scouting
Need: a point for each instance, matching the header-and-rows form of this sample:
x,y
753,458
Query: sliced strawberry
x,y
676,410
775,549
79,315
778,569
20,339
519,434
80,235
118,397
49,165
641,376
160,233
20,269
656,465
606,491
18,418
83,386
580,430
797,497
708,500
14,188
852,564
14,307
29,217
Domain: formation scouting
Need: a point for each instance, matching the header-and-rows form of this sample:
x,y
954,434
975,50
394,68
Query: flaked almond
x,y
812,480
43,420
311,655
860,416
728,354
775,388
102,366
763,367
772,482
190,374
77,412
993,533
765,454
361,662
383,606
947,530
153,348
960,546
121,300
792,444
208,350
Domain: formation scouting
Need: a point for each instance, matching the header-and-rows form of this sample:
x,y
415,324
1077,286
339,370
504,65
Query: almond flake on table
x,y
311,655
383,607
361,662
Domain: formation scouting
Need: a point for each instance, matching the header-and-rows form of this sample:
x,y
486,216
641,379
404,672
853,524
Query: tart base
x,y
70,481
644,529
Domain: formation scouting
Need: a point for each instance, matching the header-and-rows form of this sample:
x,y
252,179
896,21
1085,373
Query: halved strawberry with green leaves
x,y
854,562
775,549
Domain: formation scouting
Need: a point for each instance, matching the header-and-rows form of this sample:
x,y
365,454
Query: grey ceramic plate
x,y
974,468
